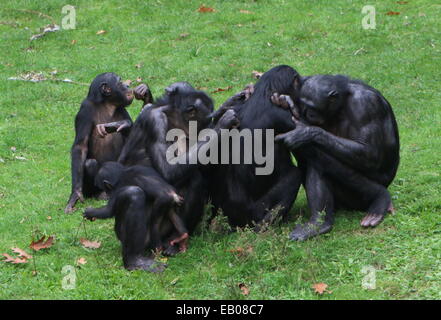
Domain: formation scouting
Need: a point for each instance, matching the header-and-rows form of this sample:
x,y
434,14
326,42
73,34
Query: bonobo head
x,y
191,105
108,88
322,97
182,86
281,79
109,175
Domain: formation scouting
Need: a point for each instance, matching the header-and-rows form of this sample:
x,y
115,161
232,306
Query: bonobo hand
x,y
285,102
105,128
298,137
229,120
88,214
142,92
74,197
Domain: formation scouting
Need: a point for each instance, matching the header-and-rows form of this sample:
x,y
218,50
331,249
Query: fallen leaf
x,y
138,66
402,2
20,158
392,13
163,259
13,149
320,287
204,9
90,244
257,74
49,217
174,281
14,260
21,253
220,89
101,32
82,261
244,289
42,243
73,42
246,12
183,35
139,79
421,14
241,252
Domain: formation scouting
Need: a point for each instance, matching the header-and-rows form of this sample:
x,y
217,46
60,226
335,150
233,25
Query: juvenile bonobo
x,y
147,145
140,199
102,112
347,146
245,197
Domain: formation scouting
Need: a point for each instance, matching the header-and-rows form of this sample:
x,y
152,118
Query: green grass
x,y
401,58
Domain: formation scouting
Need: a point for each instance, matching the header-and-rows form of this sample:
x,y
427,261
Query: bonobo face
x,y
319,100
196,106
115,91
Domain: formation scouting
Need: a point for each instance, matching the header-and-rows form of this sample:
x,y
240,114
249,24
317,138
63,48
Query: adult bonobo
x,y
148,146
244,196
347,146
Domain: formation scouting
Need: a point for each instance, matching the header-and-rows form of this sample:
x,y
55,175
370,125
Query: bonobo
x,y
102,112
245,197
140,199
147,145
347,146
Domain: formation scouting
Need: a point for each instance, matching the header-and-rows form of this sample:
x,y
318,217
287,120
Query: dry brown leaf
x,y
402,2
49,217
246,12
139,79
43,243
392,13
82,261
138,66
221,89
204,9
241,252
256,74
183,35
244,289
90,244
15,260
73,42
21,253
320,287
101,32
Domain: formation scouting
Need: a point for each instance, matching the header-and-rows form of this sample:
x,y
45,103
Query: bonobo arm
x,y
105,212
83,129
158,145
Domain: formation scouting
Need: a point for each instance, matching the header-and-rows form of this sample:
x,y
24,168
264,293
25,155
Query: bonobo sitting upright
x,y
347,146
147,145
102,112
140,199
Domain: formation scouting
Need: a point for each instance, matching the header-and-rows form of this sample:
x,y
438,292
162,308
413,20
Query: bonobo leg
x,y
131,225
280,195
326,177
91,167
321,204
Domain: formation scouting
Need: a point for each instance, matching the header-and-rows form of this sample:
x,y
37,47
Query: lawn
x,y
167,41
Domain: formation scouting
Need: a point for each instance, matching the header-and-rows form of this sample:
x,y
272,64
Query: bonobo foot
x,y
309,230
144,263
372,220
181,241
170,250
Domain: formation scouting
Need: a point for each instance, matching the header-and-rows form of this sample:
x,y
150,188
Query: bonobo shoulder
x,y
366,100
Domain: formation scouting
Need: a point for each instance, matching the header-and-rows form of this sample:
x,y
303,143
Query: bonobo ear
x,y
105,89
333,94
107,185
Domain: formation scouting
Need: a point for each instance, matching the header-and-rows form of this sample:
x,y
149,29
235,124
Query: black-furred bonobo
x,y
147,145
244,197
140,199
102,112
347,145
